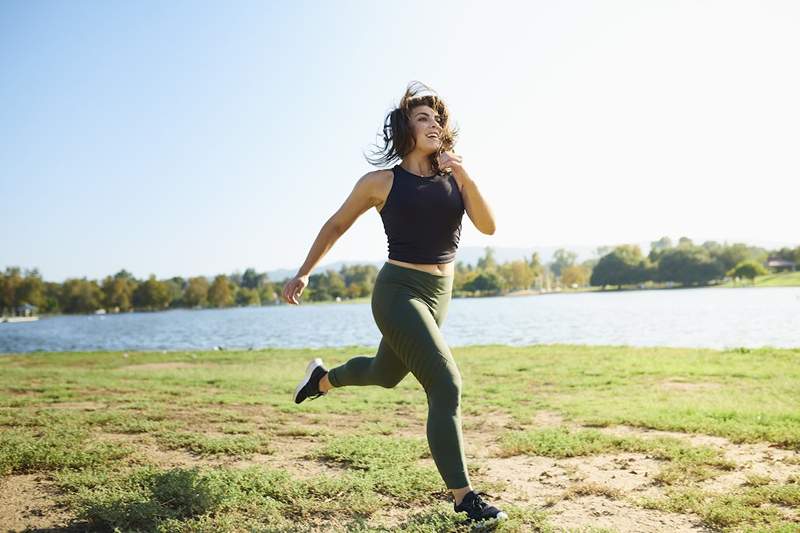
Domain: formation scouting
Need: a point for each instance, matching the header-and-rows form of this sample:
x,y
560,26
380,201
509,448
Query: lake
x,y
701,317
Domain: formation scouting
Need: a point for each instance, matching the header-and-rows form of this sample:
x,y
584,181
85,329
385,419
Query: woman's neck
x,y
418,164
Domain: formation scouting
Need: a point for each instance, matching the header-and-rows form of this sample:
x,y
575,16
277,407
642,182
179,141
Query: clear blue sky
x,y
188,138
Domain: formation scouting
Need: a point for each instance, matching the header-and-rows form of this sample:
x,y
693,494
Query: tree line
x,y
682,263
685,263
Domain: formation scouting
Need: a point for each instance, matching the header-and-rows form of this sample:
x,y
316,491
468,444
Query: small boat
x,y
18,318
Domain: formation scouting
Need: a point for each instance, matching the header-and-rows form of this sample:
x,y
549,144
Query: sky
x,y
198,138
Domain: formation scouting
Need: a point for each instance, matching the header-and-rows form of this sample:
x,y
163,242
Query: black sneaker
x,y
477,509
309,386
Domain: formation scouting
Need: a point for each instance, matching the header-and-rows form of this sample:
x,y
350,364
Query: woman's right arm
x,y
363,196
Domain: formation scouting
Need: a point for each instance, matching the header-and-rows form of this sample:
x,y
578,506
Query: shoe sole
x,y
488,523
309,370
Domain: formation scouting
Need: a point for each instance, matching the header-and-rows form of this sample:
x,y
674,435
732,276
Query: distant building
x,y
26,309
780,265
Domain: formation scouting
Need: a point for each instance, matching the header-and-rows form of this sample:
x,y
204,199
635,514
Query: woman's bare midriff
x,y
441,269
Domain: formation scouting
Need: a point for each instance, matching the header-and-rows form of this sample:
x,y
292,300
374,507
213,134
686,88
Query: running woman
x,y
421,201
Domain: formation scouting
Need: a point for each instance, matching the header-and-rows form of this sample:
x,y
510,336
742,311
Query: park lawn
x,y
210,441
782,279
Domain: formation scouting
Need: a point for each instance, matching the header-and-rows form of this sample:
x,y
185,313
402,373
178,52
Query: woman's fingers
x,y
293,290
288,292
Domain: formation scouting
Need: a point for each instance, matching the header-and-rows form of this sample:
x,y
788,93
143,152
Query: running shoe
x,y
477,509
309,386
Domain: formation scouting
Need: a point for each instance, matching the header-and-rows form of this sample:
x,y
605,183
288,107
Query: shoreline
x,y
194,352
367,299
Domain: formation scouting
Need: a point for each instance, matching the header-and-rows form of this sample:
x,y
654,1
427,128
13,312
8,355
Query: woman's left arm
x,y
474,203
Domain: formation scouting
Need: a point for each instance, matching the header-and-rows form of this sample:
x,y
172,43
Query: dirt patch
x,y
761,458
547,482
162,366
602,512
684,386
28,502
78,406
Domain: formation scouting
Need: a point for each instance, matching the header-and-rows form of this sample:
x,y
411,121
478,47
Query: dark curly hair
x,y
398,138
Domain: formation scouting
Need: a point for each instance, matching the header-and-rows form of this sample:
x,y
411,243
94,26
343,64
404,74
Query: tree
x,y
151,295
52,297
625,265
220,293
747,269
520,275
487,262
537,268
689,265
485,282
268,293
175,287
326,286
80,296
247,297
31,289
253,280
575,275
562,259
659,247
196,293
731,255
9,285
118,293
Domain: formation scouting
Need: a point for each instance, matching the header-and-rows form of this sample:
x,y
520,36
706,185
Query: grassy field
x,y
784,279
565,438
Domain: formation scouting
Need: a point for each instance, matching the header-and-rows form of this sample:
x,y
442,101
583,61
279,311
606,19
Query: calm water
x,y
711,317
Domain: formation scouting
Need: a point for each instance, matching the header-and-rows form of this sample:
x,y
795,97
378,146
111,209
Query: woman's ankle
x,y
324,383
458,494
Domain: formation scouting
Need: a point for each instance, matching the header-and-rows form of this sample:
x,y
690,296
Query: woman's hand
x,y
294,288
449,161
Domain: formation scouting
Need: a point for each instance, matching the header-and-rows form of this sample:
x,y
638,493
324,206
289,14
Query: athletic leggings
x,y
409,306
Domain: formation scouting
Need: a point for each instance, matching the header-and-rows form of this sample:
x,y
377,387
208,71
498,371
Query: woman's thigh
x,y
409,327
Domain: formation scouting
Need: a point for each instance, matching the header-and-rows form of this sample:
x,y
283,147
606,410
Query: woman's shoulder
x,y
380,179
382,174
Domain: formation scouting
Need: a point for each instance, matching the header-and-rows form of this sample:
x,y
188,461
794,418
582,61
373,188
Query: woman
x,y
421,201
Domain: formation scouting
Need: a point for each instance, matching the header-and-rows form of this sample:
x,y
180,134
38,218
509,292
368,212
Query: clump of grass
x,y
203,445
299,431
236,429
748,507
757,480
389,464
27,450
555,442
213,499
371,451
589,488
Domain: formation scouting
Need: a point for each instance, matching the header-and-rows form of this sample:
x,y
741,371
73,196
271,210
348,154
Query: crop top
x,y
422,217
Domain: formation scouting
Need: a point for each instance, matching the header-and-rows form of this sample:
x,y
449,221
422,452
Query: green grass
x,y
782,279
227,433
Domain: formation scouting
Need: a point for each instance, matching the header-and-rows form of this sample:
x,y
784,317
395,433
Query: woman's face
x,y
426,124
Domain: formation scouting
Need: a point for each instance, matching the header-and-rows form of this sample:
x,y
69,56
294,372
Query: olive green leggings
x,y
409,306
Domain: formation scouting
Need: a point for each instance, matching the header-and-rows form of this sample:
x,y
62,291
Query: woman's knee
x,y
445,389
389,381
